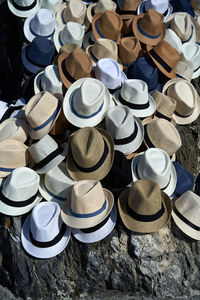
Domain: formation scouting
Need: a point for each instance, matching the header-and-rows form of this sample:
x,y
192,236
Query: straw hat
x,y
41,112
128,9
155,164
44,235
172,38
88,205
60,128
149,28
186,212
88,39
53,5
23,8
90,154
144,207
183,69
19,192
15,129
129,50
162,6
191,54
100,7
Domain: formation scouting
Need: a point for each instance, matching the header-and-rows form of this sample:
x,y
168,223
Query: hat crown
x,y
13,128
164,104
181,24
105,48
75,12
103,5
135,91
131,5
184,69
172,38
191,54
50,80
43,23
152,22
159,5
129,48
168,53
23,3
72,33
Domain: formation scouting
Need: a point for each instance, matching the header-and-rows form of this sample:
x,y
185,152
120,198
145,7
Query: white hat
x,y
183,69
162,6
134,94
70,33
19,192
109,72
172,38
127,131
23,8
13,128
44,235
56,184
86,102
46,154
191,54
155,164
53,5
48,80
98,232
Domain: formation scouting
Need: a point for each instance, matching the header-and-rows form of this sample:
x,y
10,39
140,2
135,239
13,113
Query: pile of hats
x,y
97,135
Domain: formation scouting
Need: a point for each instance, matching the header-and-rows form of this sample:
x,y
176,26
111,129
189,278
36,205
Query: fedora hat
x,y
23,8
60,128
172,38
186,212
99,7
43,234
162,6
47,154
13,154
38,54
182,6
99,231
128,9
188,101
107,25
144,207
41,112
155,164
19,192
15,129
73,66
129,50
53,5
48,80
126,129
183,69
149,28
134,94
88,205
86,102
191,54
90,154
42,24
55,185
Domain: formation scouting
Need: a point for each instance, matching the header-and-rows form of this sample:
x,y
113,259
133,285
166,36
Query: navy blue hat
x,y
38,54
197,185
185,180
183,6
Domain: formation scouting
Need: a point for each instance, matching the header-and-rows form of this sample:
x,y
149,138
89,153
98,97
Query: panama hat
x,y
128,9
86,102
41,112
99,7
23,8
15,129
19,192
53,5
134,94
162,6
155,164
149,28
127,130
129,50
88,205
183,69
186,212
172,38
73,66
191,54
47,154
90,154
44,235
144,207
97,232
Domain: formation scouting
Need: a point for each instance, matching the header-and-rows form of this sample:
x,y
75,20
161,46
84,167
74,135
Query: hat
x,y
90,154
53,5
23,8
88,39
129,50
44,235
185,180
38,54
13,154
182,6
134,94
155,164
172,38
69,33
15,129
149,28
19,192
99,7
183,69
41,112
128,9
60,128
162,6
41,24
48,80
107,25
55,185
188,101
88,205
191,54
47,154
73,66
86,102
99,231
144,207
126,129
186,212
196,6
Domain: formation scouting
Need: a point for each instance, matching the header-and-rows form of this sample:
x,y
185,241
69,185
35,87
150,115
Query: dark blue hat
x,y
182,6
38,54
197,185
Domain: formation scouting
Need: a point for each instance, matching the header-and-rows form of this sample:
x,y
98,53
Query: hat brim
x,y
87,40
37,82
23,13
46,252
89,12
141,226
76,222
28,65
99,234
141,9
56,37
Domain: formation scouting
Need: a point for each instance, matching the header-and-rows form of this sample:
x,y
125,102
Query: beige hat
x,y
15,129
99,7
165,106
88,205
144,207
90,154
183,69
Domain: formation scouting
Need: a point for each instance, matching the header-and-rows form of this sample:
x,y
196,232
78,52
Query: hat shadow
x,y
179,234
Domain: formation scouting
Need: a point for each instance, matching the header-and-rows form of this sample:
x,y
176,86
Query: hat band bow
x,y
24,8
93,214
195,227
145,218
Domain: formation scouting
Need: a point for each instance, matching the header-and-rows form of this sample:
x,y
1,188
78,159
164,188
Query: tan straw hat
x,y
129,9
129,50
183,69
100,7
144,207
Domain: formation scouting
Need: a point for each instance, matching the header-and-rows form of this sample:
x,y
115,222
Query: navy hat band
x,y
160,61
90,215
146,34
133,105
12,203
